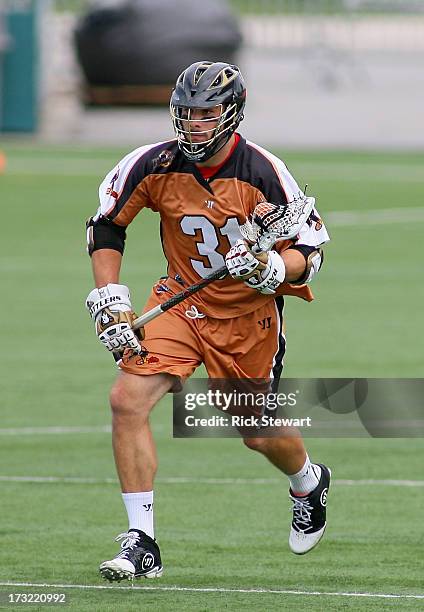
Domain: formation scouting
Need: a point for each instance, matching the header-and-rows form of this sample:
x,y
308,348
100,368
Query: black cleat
x,y
309,515
139,557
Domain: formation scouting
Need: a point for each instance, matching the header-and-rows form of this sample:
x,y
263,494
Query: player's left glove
x,y
110,308
241,262
263,272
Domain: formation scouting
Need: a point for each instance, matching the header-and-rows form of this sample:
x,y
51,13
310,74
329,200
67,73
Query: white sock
x,y
140,511
306,480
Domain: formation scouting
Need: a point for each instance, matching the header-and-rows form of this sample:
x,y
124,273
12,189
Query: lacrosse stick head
x,y
271,222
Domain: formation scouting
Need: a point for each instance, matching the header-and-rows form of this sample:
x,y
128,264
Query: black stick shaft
x,y
180,297
174,300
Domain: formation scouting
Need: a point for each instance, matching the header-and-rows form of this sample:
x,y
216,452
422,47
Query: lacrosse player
x,y
204,184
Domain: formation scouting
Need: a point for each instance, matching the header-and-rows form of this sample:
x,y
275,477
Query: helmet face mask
x,y
206,107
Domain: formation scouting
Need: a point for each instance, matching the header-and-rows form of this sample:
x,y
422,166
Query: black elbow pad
x,y
104,234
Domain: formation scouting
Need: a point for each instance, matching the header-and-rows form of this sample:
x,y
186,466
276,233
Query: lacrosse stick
x,y
268,224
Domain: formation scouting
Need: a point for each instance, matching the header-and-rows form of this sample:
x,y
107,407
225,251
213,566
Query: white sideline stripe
x,y
210,590
211,481
342,218
30,431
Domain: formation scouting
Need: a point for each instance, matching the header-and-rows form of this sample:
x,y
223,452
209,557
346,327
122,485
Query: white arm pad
x,y
313,266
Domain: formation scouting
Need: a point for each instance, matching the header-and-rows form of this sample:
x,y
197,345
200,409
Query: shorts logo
x,y
265,323
323,497
137,359
145,358
148,561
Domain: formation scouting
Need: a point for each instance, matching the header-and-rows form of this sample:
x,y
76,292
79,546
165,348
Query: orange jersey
x,y
200,217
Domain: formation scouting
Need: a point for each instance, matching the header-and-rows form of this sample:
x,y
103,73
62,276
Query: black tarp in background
x,y
149,42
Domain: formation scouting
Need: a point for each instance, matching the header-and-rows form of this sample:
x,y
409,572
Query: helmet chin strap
x,y
208,153
205,154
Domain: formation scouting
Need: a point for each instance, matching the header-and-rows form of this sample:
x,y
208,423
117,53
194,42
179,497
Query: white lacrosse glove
x,y
241,262
110,308
243,265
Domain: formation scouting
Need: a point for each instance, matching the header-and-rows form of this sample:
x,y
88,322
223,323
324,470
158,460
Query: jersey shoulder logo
x,y
110,190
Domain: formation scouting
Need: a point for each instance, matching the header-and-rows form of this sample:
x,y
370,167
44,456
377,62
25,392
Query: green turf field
x,y
222,514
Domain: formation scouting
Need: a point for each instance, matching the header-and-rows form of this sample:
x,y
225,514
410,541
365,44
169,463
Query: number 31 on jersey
x,y
207,247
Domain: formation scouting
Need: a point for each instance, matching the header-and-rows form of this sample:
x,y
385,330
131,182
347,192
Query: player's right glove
x,y
110,308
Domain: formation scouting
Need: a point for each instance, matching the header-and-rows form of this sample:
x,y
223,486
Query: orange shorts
x,y
249,346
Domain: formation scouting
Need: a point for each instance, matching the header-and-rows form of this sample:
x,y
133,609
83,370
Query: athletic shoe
x,y
309,515
139,556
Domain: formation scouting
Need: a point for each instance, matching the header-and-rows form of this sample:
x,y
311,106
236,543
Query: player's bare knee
x,y
120,402
115,399
124,402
